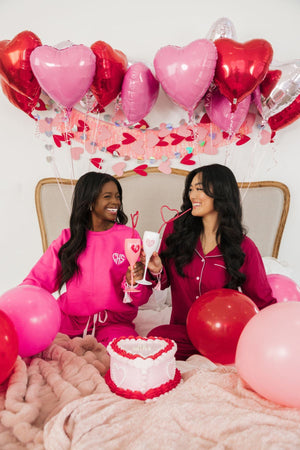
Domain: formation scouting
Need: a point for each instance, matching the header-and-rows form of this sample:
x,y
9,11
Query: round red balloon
x,y
215,322
8,346
111,66
241,67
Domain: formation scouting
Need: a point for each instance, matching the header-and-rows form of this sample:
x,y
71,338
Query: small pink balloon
x,y
284,288
219,110
64,74
267,355
35,315
185,73
139,92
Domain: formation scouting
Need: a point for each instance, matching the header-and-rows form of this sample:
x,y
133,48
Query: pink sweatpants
x,y
177,333
113,327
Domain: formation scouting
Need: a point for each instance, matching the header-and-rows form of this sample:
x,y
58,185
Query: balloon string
x,y
134,221
172,219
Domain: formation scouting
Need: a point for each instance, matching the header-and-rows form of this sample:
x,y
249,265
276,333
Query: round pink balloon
x,y
35,315
185,73
284,288
64,74
268,356
139,92
218,109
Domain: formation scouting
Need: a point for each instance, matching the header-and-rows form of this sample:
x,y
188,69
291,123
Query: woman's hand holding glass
x,y
137,272
155,264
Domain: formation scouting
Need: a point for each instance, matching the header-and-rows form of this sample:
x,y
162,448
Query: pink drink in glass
x,y
132,252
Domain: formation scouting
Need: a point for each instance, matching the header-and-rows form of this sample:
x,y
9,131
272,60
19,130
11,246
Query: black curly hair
x,y
219,183
86,192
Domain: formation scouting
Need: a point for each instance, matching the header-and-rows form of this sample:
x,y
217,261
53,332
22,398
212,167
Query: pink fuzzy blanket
x,y
59,400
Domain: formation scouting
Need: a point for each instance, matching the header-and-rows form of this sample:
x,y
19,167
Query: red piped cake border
x,y
119,351
151,393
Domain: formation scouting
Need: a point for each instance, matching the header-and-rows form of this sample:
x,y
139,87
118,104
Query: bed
x,y
58,399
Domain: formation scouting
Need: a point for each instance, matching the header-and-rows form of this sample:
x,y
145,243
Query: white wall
x,y
139,29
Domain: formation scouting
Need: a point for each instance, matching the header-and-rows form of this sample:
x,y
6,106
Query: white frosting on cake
x,y
141,364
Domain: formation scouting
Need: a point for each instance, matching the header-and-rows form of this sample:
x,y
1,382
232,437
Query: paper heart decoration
x,y
185,73
64,74
128,139
119,168
164,167
243,139
111,66
76,152
265,137
140,170
139,92
187,160
97,162
15,68
241,67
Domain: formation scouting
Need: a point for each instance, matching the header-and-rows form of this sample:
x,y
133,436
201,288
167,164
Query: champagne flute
x,y
151,241
132,252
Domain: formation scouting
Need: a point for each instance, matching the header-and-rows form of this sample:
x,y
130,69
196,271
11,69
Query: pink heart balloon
x,y
64,74
139,92
218,109
185,73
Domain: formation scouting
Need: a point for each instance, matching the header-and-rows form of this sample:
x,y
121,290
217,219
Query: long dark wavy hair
x,y
86,192
219,183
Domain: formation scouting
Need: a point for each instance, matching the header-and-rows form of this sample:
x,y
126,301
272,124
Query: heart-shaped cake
x,y
141,367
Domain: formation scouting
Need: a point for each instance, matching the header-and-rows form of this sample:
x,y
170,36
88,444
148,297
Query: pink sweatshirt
x,y
207,272
103,267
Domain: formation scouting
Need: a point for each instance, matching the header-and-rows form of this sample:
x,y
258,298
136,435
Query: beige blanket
x,y
59,400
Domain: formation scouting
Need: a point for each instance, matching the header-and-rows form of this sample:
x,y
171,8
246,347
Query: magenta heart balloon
x,y
219,110
64,74
139,92
185,73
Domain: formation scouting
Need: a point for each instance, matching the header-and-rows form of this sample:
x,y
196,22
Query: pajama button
x,y
197,296
197,278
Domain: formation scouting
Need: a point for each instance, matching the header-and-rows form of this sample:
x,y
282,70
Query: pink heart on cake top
x,y
64,74
185,73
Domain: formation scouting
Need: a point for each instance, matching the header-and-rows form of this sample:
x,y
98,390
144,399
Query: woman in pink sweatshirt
x,y
88,266
206,249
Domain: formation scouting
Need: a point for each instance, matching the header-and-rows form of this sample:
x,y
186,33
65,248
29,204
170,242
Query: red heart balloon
x,y
111,66
269,82
286,116
15,66
241,67
19,100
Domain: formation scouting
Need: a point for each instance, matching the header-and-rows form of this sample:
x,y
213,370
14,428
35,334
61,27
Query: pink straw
x,y
173,218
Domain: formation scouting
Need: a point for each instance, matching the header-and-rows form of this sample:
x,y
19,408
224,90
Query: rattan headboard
x,y
265,205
